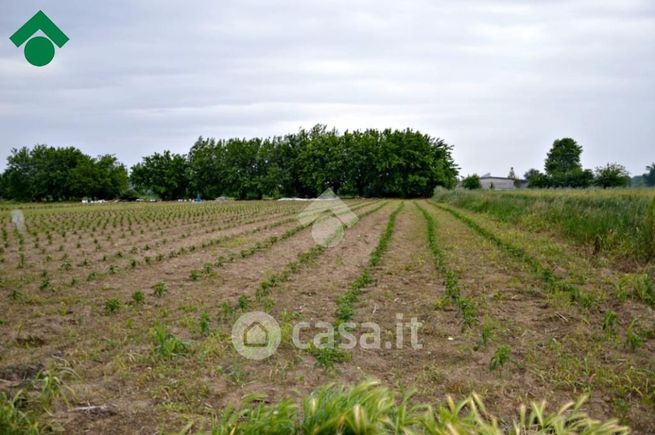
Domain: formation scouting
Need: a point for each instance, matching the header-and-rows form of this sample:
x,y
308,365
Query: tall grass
x,y
370,408
13,419
620,222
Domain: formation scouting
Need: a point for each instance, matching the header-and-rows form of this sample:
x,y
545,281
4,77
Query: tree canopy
x,y
612,175
165,175
472,182
649,176
379,163
387,163
563,167
54,174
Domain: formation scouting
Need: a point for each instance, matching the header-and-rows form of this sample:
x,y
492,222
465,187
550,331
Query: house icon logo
x,y
329,217
256,335
39,50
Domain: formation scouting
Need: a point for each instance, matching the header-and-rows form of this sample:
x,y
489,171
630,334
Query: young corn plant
x,y
112,306
203,323
465,306
500,357
327,356
166,345
227,310
243,303
137,297
485,335
633,338
51,383
159,289
609,323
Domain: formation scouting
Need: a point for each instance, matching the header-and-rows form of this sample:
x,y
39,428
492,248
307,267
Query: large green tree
x,y
563,166
206,168
46,173
367,163
165,175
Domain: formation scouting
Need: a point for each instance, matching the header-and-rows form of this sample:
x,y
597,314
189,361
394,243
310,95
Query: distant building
x,y
501,183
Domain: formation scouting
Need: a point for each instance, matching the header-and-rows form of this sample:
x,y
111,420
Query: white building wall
x,y
499,183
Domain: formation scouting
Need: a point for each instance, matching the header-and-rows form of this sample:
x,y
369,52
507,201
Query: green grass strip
x,y
552,282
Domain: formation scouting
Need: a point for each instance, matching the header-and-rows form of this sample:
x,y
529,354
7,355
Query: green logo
x,y
39,51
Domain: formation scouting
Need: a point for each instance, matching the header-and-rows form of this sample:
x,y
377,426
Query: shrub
x,y
472,182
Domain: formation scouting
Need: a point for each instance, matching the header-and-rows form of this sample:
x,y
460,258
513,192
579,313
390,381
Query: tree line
x,y
45,173
374,163
563,169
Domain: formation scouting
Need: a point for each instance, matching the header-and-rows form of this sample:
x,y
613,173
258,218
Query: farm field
x,y
117,318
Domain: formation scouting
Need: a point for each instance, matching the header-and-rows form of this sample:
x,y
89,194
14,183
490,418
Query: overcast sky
x,y
499,80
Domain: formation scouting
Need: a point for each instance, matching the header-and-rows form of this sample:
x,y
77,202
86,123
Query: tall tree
x,y
165,175
649,176
207,168
18,175
563,157
563,165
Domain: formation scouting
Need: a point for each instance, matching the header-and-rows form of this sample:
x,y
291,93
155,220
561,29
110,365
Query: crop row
x,y
465,305
553,283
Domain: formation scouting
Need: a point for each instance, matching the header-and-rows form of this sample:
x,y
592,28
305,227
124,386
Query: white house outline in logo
x,y
256,335
330,216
